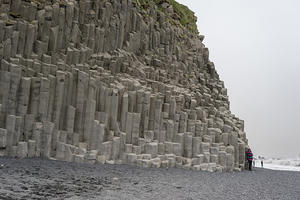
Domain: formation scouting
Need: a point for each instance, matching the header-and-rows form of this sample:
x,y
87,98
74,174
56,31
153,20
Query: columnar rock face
x,y
107,82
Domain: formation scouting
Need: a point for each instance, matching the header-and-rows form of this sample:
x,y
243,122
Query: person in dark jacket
x,y
249,158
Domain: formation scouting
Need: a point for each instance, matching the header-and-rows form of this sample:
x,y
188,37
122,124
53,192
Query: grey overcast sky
x,y
255,46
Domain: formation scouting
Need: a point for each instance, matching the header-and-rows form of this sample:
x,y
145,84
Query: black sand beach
x,y
44,179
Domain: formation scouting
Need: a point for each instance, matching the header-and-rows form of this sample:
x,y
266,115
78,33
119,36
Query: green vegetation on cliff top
x,y
182,13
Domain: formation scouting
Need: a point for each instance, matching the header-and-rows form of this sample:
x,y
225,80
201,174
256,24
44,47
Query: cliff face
x,y
113,82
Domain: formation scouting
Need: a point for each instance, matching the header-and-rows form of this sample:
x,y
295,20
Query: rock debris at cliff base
x,y
106,82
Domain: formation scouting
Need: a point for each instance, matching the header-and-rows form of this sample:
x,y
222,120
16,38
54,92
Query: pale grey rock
x,y
3,138
99,83
22,150
31,148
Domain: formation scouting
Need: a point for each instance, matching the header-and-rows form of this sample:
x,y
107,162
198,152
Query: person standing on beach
x,y
262,163
250,158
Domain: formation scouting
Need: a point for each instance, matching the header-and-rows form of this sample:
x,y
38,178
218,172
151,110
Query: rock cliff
x,y
113,81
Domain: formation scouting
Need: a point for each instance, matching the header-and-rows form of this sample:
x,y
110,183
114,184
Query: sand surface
x,y
44,179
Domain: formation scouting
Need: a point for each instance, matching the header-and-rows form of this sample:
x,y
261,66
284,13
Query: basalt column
x,y
118,82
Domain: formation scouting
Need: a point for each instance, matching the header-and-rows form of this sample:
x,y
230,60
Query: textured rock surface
x,y
107,82
45,179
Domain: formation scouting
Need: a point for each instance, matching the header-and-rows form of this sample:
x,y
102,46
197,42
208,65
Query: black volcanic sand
x,y
45,179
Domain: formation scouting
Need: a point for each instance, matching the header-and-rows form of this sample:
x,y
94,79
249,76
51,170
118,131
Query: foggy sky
x,y
255,46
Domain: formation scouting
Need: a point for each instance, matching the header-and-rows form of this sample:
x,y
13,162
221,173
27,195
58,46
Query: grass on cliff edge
x,y
184,15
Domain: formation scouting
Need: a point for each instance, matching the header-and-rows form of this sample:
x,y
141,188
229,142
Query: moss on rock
x,y
182,13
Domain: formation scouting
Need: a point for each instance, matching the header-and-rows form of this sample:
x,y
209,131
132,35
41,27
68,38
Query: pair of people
x,y
249,156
